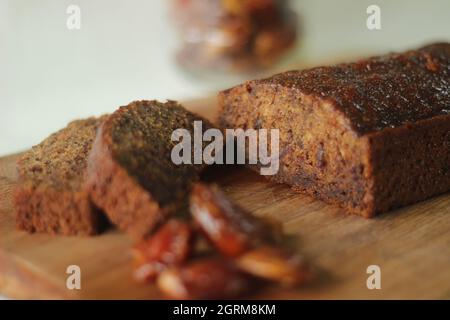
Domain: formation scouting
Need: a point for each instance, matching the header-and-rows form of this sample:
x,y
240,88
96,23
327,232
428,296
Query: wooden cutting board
x,y
411,246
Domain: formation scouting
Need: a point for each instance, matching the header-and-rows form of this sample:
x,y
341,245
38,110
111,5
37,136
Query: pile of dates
x,y
221,251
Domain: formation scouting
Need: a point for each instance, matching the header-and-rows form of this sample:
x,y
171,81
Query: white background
x,y
124,51
50,75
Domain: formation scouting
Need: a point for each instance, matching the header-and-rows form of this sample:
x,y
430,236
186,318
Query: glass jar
x,y
233,35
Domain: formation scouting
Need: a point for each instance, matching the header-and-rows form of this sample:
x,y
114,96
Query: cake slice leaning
x,y
131,175
50,195
370,136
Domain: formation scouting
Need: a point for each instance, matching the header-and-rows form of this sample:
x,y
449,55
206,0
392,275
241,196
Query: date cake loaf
x,y
370,136
131,175
50,195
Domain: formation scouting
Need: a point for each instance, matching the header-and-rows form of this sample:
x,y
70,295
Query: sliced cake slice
x,y
50,195
130,171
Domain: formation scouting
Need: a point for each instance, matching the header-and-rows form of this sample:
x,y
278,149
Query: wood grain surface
x,y
411,246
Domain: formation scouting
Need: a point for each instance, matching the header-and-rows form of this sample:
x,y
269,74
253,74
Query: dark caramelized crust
x,y
381,92
370,136
131,173
50,196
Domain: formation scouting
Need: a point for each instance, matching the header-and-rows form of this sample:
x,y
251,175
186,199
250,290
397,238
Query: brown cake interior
x,y
319,153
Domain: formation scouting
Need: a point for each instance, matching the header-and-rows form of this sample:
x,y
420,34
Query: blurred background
x,y
127,50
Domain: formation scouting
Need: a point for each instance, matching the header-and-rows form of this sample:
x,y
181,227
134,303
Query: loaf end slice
x,y
51,194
